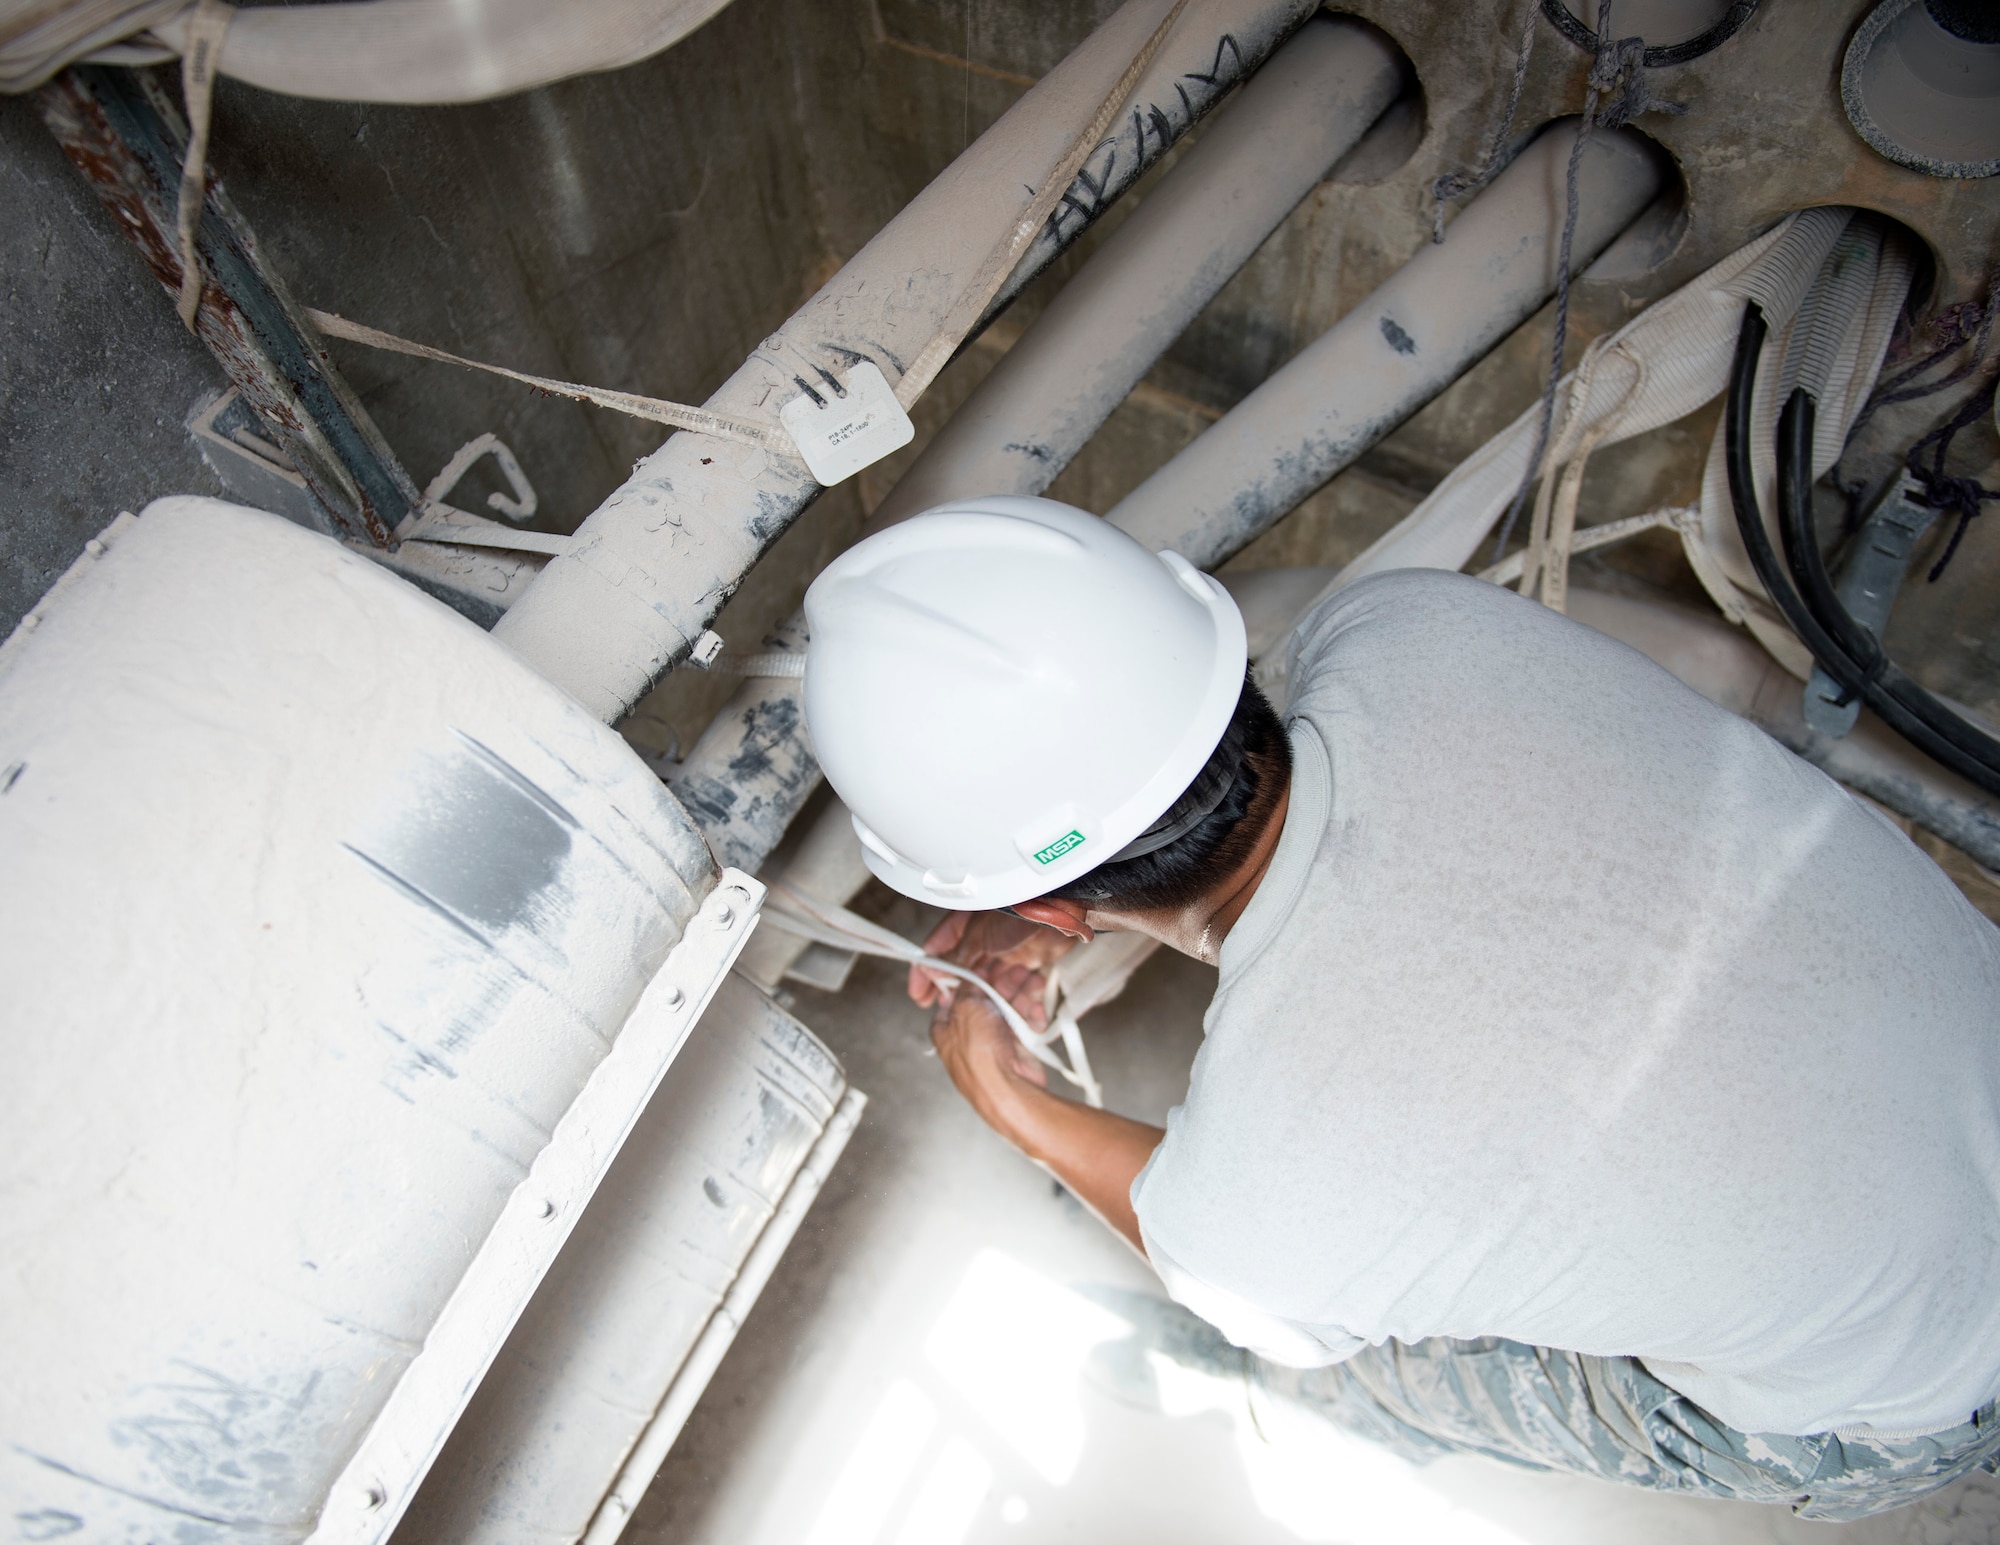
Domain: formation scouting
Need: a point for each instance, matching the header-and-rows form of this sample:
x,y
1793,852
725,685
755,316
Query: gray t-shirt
x,y
1575,1010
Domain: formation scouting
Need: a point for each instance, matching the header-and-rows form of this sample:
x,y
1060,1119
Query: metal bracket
x,y
127,139
1870,577
371,1494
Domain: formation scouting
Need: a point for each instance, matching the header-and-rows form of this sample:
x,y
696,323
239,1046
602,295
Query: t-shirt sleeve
x,y
1289,1342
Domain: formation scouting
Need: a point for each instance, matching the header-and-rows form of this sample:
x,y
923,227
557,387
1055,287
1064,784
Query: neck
x,y
1199,928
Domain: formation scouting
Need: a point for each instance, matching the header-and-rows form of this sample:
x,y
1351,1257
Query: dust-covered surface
x,y
96,372
644,229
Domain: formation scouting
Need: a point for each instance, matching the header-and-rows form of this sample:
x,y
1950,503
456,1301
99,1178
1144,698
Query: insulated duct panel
x,y
307,953
591,1361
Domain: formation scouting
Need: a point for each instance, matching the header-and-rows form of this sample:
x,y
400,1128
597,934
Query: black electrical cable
x,y
1900,703
1802,555
1800,540
1567,23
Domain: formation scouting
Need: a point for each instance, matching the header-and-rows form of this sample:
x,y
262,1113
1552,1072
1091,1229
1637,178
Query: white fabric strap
x,y
822,922
678,415
1679,516
1661,366
205,28
776,664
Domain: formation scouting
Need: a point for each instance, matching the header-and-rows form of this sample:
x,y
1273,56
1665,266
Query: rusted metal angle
x,y
125,135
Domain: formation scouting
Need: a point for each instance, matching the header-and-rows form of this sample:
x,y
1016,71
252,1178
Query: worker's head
x,y
1016,700
1206,838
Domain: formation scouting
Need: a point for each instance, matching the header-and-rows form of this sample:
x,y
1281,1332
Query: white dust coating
x,y
320,909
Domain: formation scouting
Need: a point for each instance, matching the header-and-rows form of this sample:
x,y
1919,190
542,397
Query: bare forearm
x,y
1093,1152
1096,1154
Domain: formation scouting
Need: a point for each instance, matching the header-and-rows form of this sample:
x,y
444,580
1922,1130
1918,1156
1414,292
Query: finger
x,y
1028,1066
945,937
1032,1001
1007,980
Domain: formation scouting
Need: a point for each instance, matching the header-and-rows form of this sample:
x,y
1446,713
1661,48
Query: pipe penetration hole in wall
x,y
1395,136
1656,235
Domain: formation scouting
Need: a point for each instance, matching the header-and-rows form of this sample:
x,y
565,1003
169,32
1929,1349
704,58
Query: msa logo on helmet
x,y
1055,850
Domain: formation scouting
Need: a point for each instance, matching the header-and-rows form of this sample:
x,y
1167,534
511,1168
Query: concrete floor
x,y
913,1374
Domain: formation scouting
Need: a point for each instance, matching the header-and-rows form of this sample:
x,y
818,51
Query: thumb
x,y
945,937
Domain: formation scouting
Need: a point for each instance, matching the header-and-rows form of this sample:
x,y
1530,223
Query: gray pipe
x,y
651,567
1420,331
1049,394
751,770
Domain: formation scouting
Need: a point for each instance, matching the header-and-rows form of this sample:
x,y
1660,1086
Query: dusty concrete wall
x,y
1763,133
644,229
96,372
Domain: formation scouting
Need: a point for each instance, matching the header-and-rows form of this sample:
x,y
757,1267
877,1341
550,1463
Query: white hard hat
x,y
1006,692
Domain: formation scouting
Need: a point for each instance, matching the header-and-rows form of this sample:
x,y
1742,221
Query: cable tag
x,y
843,426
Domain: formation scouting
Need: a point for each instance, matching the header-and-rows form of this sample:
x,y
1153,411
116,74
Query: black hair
x,y
1256,756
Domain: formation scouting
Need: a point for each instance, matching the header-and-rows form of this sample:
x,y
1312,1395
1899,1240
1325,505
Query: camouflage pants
x,y
1609,1417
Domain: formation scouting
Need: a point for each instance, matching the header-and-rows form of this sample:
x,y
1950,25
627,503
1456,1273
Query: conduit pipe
x,y
1415,335
1049,394
752,769
652,566
1027,420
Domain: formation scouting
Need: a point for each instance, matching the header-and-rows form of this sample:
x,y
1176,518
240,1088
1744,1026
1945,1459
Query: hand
x,y
1095,1153
1010,952
986,1063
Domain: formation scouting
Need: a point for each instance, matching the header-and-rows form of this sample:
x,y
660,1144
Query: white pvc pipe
x,y
1265,151
1416,334
650,568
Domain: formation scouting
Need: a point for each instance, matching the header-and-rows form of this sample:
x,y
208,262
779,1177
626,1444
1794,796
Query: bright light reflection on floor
x,y
1013,1344
1319,1483
872,1479
949,1498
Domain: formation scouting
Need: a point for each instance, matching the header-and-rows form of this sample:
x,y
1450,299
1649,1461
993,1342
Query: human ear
x,y
1063,916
